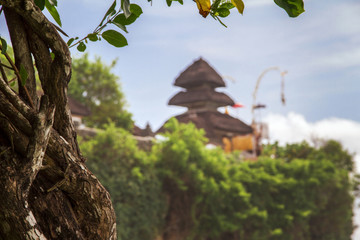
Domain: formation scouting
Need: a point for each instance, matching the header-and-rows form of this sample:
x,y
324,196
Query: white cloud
x,y
294,128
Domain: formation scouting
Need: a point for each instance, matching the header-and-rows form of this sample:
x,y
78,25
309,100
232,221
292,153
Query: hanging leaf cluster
x,y
221,8
119,17
123,14
50,5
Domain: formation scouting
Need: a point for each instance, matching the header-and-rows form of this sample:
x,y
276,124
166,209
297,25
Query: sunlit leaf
x,y
239,4
81,47
52,55
52,10
3,45
293,7
40,4
122,27
108,12
114,38
23,75
53,2
204,7
125,6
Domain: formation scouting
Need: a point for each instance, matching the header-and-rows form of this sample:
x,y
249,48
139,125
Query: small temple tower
x,y
202,101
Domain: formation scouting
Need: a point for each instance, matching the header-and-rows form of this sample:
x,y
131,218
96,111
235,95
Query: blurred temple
x,y
144,137
78,111
202,102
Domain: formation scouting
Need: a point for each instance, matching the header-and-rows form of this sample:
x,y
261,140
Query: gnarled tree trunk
x,y
46,190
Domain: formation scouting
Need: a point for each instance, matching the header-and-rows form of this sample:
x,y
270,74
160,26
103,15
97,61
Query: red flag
x,y
238,105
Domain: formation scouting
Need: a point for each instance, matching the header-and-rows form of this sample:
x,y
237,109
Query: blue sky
x,y
320,50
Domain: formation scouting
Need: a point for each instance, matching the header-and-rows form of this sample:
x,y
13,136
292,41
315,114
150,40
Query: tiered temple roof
x,y
197,74
200,81
202,101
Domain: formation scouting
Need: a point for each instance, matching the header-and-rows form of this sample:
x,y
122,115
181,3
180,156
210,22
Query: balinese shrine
x,y
202,101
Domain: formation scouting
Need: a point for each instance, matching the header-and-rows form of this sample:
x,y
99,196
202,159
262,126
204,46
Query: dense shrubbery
x,y
130,178
183,189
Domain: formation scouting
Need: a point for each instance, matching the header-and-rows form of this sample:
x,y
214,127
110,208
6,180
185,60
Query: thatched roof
x,y
78,108
201,95
197,74
213,123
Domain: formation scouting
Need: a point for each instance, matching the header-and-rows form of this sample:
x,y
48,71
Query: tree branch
x,y
39,141
56,85
16,101
22,55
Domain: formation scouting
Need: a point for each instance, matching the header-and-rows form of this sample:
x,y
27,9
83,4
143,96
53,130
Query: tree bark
x,y
47,191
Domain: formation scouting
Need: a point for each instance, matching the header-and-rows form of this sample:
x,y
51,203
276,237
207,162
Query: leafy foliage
x,y
126,14
269,199
130,178
94,85
330,150
201,193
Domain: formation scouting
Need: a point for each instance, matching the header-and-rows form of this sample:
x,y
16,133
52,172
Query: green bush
x,y
303,194
182,190
129,176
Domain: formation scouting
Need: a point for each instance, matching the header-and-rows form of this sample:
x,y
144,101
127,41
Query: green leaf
x,y
223,12
70,41
52,10
121,19
109,11
122,27
81,47
168,2
93,37
114,38
215,5
135,9
227,5
293,7
52,55
23,75
40,4
3,45
53,2
239,4
125,6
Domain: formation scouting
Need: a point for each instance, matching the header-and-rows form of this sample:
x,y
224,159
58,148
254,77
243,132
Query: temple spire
x,y
200,81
